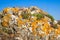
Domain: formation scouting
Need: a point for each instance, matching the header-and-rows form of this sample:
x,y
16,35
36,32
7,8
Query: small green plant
x,y
5,29
59,22
38,15
25,15
55,26
50,17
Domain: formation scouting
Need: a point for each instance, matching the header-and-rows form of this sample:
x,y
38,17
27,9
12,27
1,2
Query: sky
x,y
50,6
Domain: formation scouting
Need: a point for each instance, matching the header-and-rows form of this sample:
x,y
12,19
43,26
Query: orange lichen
x,y
44,19
6,10
15,9
20,16
46,27
19,22
7,17
57,32
34,33
34,26
41,35
4,24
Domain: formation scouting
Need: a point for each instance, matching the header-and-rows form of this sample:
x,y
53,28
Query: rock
x,y
28,24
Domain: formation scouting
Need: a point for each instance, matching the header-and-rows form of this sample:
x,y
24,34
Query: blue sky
x,y
50,6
